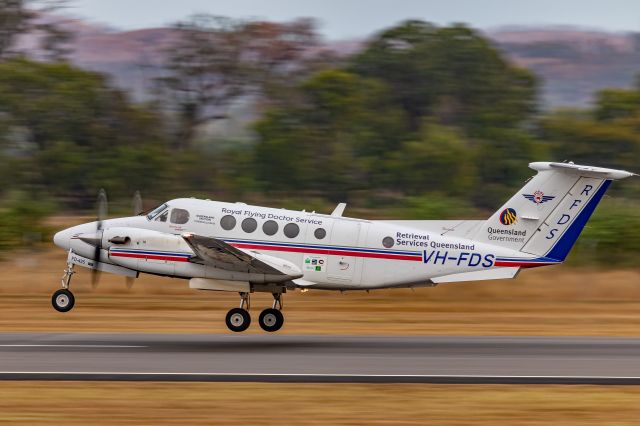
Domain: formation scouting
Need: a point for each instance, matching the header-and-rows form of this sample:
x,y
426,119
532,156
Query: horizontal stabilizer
x,y
584,171
489,274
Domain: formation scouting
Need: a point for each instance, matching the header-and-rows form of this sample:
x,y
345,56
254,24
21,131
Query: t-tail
x,y
544,219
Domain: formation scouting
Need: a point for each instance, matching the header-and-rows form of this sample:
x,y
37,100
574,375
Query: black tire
x,y
63,300
271,320
238,320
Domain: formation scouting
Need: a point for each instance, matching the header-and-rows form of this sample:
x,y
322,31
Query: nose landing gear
x,y
63,300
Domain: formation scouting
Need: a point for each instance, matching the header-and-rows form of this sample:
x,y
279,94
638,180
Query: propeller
x,y
95,239
137,206
102,207
137,203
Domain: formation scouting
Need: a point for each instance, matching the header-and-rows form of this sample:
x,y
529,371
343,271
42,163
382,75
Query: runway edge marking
x,y
315,378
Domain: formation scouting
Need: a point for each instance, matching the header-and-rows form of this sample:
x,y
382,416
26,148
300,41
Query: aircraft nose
x,y
63,239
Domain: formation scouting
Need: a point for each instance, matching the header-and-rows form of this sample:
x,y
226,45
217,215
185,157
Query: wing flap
x,y
221,255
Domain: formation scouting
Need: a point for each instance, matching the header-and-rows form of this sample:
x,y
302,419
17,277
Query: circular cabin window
x,y
249,225
320,233
387,242
228,222
270,227
291,230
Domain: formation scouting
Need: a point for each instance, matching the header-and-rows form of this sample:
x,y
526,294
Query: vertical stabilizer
x,y
548,214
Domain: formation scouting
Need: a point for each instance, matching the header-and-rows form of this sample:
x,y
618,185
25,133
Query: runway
x,y
309,358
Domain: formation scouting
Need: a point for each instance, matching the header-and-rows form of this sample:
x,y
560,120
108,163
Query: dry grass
x,y
540,302
546,301
314,404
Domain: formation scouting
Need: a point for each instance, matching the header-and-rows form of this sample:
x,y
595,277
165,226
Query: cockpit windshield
x,y
155,212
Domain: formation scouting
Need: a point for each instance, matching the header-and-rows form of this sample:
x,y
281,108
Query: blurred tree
x,y
19,17
216,61
276,54
205,72
21,220
500,160
612,237
420,109
435,206
14,18
452,73
581,139
334,141
441,160
74,129
57,102
613,104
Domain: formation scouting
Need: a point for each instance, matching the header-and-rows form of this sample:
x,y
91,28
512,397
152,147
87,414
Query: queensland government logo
x,y
538,197
508,217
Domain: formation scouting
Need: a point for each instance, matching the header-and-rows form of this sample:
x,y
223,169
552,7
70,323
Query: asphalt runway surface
x,y
310,358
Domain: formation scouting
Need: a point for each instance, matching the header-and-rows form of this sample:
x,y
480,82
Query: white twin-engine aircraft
x,y
240,248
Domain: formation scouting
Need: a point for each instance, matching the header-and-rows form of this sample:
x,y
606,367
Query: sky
x,y
344,19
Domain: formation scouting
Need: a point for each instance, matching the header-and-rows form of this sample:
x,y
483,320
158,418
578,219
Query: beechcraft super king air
x,y
241,248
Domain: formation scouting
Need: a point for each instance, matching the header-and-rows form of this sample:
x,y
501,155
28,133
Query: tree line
x,y
423,121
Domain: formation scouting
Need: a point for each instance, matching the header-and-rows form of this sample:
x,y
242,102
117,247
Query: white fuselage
x,y
332,252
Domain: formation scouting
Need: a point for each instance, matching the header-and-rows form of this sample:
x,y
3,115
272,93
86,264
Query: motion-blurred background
x,y
389,106
372,105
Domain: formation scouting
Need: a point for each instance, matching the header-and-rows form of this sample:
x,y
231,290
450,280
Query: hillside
x,y
572,63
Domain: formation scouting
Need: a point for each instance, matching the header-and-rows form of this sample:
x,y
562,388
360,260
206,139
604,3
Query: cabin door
x,y
342,265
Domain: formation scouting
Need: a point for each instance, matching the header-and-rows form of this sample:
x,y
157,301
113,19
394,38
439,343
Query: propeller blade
x,y
130,281
95,272
102,207
95,278
137,203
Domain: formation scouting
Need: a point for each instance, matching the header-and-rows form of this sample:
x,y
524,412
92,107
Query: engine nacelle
x,y
146,250
137,238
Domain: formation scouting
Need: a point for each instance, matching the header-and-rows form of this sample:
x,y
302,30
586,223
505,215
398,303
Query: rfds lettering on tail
x,y
235,247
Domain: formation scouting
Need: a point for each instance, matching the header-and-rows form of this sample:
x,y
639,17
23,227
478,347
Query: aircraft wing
x,y
221,255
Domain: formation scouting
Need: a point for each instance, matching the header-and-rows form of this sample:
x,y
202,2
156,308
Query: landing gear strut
x,y
63,300
271,319
238,319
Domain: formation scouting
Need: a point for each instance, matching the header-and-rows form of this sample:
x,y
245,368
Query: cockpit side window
x,y
179,216
163,216
155,212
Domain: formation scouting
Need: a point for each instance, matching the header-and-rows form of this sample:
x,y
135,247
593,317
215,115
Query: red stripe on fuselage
x,y
150,257
308,250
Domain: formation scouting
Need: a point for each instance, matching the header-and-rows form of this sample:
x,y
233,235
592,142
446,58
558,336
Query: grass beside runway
x,y
544,301
73,403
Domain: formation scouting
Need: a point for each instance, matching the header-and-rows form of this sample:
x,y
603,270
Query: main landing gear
x,y
271,319
63,300
238,319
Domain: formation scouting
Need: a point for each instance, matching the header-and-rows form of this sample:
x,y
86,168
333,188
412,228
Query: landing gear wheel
x,y
63,300
238,319
271,320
